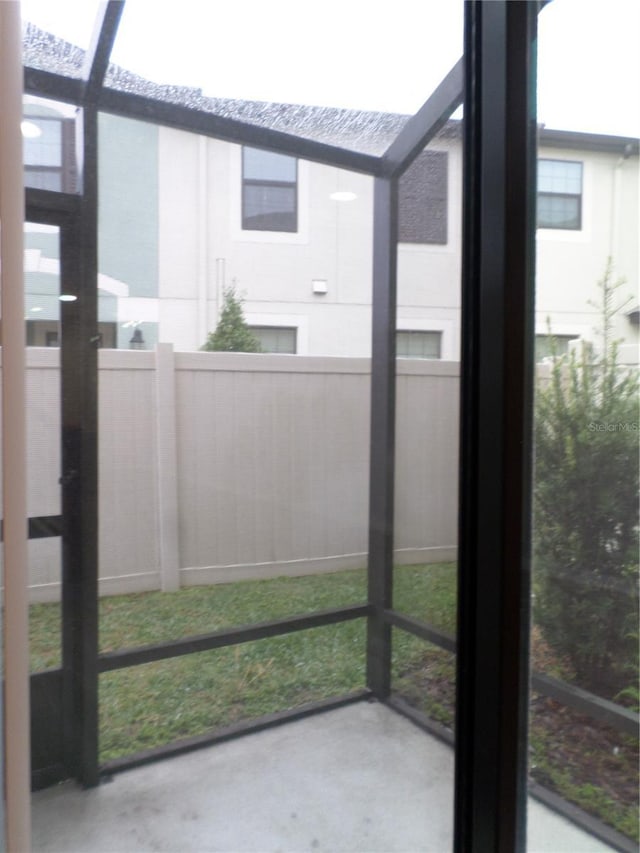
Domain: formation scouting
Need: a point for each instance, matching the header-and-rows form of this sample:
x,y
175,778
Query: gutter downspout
x,y
615,202
203,245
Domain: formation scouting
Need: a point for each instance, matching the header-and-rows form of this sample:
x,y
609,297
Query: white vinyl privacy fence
x,y
216,467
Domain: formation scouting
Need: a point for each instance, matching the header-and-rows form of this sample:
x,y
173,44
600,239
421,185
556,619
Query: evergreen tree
x,y
585,543
232,333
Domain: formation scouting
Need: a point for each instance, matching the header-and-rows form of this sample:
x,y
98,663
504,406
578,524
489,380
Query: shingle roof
x,y
370,132
365,131
50,53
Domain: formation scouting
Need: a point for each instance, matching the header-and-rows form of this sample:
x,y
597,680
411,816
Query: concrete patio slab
x,y
361,778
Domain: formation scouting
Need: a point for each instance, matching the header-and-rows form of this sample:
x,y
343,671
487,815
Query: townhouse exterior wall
x,y
274,272
611,193
171,240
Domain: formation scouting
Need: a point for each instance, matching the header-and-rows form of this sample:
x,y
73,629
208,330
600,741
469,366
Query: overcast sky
x,y
349,53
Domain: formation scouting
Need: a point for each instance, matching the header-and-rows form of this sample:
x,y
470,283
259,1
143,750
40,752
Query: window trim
x,y
561,195
437,332
299,322
561,337
236,233
268,184
276,328
66,169
50,329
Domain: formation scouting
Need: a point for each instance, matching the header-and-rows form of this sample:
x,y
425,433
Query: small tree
x,y
585,542
232,333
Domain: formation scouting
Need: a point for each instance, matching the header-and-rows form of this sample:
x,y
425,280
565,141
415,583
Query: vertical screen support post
x,y
79,353
495,451
382,441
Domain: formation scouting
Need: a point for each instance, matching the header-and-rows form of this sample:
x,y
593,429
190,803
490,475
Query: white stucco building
x,y
183,216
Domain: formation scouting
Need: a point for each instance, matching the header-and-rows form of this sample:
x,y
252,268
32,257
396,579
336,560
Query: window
x,y
422,216
559,194
418,344
269,191
276,338
46,333
49,154
548,345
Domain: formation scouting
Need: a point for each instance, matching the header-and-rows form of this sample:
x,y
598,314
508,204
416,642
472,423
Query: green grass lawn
x,y
156,703
153,704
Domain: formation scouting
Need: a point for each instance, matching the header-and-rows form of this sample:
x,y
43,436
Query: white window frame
x,y
239,234
449,331
566,235
298,322
421,332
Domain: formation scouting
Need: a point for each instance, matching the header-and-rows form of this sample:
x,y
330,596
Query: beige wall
x,y
570,263
259,466
203,249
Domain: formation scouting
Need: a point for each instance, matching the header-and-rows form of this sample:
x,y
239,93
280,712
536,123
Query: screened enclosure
x,y
224,542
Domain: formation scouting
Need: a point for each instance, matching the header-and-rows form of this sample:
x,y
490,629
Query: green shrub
x,y
585,543
232,333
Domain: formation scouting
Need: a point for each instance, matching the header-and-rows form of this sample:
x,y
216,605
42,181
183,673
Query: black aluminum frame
x,y
497,394
496,77
615,716
79,358
382,433
52,719
77,216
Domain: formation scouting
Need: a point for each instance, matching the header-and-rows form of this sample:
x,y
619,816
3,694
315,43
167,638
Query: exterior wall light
x,y
137,341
